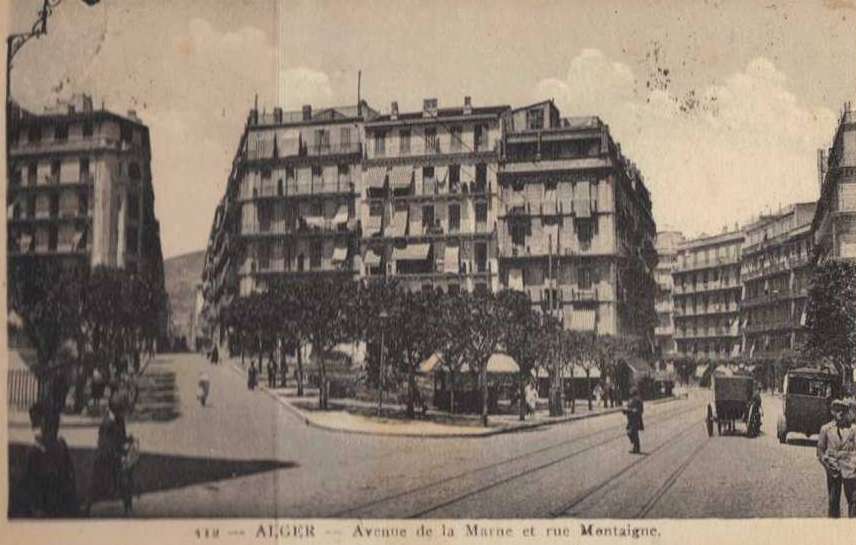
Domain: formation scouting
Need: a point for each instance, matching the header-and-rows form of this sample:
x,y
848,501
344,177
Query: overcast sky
x,y
722,104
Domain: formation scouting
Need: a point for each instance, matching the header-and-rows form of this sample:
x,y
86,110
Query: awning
x,y
583,319
75,241
314,221
700,370
638,366
371,259
340,253
582,208
373,177
450,260
398,225
411,252
580,372
515,279
428,365
502,363
26,243
341,214
400,176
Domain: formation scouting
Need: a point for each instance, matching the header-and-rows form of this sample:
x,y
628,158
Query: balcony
x,y
763,326
682,266
72,145
344,148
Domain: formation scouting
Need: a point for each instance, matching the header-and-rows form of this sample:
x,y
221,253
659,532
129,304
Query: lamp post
x,y
14,42
380,379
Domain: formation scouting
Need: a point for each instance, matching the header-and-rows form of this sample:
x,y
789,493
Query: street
x,y
245,455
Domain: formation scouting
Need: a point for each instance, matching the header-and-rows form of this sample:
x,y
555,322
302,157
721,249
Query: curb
x,y
476,435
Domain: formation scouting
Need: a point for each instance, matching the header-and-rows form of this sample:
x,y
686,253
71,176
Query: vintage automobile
x,y
808,394
734,399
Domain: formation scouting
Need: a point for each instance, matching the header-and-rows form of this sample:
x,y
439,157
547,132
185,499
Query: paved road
x,y
244,455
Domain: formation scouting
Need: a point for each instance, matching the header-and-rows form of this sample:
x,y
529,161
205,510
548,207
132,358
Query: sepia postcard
x,y
451,271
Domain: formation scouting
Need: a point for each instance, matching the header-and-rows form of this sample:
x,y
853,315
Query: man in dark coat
x,y
109,477
634,410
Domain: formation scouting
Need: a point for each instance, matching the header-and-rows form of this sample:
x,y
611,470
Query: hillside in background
x,y
181,274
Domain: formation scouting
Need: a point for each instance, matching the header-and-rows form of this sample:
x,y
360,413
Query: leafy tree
x,y
482,328
831,316
520,338
453,313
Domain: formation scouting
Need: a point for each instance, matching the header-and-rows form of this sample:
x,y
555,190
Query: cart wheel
x,y
709,421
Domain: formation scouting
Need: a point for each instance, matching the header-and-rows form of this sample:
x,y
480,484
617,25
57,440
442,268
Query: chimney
x,y
468,105
307,112
821,166
277,115
254,116
429,107
393,110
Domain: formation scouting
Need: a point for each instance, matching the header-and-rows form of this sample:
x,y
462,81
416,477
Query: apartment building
x,y
776,271
575,230
834,225
430,197
707,292
436,198
667,246
80,188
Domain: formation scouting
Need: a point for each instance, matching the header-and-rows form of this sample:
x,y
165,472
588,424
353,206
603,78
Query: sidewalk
x,y
357,416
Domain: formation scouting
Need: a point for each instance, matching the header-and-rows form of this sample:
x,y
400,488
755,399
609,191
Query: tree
x,y
482,328
45,296
520,334
831,316
453,313
325,319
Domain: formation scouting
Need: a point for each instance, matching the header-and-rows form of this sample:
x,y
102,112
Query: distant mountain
x,y
181,274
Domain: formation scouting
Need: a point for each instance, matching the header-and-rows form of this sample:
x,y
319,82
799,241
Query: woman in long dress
x,y
109,477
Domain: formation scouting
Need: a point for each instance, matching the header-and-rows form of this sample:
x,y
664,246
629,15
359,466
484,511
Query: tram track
x,y
463,476
566,508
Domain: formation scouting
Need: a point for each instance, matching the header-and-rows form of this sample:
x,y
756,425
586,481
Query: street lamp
x,y
380,380
14,42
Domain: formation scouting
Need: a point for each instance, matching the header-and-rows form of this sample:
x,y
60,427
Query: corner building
x,y
431,198
707,293
576,230
80,188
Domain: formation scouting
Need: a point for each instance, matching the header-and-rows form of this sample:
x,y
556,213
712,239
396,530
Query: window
x,y
454,174
375,209
535,119
432,144
518,233
31,206
345,139
54,205
53,235
34,135
279,188
428,216
134,171
344,173
480,138
32,173
455,134
133,206
264,256
427,173
131,245
454,217
481,178
380,143
61,132
289,172
481,256
481,212
84,168
317,209
322,141
316,171
584,230
126,133
55,168
404,142
82,203
584,278
315,255
87,129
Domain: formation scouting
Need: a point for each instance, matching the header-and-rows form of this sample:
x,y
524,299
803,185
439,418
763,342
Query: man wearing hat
x,y
633,411
836,450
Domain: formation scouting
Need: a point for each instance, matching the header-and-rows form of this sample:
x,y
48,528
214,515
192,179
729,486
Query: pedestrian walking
x,y
531,398
48,485
204,388
115,457
97,386
271,372
633,411
283,374
252,377
215,355
599,395
836,451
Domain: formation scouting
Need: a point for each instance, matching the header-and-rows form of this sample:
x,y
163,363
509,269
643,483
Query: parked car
x,y
808,394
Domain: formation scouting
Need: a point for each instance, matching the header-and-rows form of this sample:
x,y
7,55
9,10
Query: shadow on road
x,y
154,472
